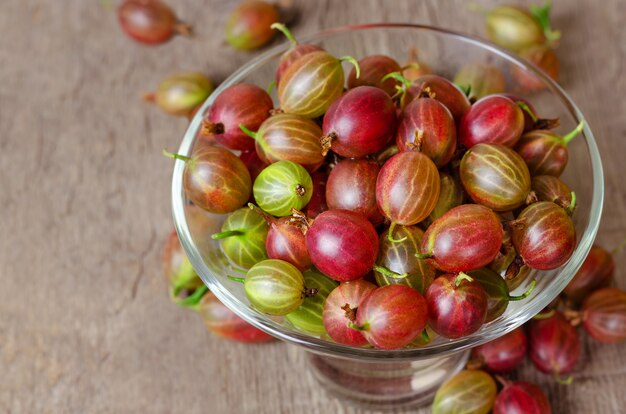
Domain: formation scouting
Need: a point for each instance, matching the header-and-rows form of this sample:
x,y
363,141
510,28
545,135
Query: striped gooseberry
x,y
296,50
309,316
275,287
604,315
521,397
495,176
340,308
450,196
185,286
494,119
469,391
503,354
209,165
554,345
457,305
346,133
342,244
544,235
465,238
407,188
515,28
182,93
284,240
545,152
312,83
373,70
289,137
351,186
392,316
551,188
249,24
150,21
242,238
239,104
281,187
427,126
442,90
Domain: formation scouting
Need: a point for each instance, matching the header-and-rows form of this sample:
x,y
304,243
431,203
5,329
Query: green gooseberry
x,y
469,391
182,93
275,287
308,317
242,238
281,187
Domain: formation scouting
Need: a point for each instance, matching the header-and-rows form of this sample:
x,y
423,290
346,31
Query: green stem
x,y
567,138
562,381
397,76
237,279
268,218
412,65
525,294
175,156
423,256
390,234
249,133
425,336
390,273
226,234
461,277
194,298
356,327
354,62
282,28
271,86
181,282
527,109
542,14
572,205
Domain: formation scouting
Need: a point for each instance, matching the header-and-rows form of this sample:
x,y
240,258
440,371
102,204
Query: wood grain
x,y
85,321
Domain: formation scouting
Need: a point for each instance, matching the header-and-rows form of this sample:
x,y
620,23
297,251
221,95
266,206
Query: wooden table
x,y
85,322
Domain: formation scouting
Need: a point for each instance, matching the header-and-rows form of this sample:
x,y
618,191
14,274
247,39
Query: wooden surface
x,y
85,322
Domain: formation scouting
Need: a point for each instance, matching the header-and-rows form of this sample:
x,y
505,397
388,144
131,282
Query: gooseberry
x,y
503,354
181,94
309,316
373,70
521,397
494,119
469,391
282,186
249,25
242,238
604,315
150,21
596,272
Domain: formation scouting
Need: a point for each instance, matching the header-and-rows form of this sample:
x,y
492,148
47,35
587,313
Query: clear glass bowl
x,y
444,52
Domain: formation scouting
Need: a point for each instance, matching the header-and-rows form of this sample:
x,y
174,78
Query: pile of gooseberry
x,y
376,211
551,341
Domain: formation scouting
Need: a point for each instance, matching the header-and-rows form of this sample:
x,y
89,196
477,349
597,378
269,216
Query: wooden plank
x,y
86,324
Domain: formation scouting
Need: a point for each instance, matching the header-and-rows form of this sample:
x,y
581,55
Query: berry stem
x,y
505,382
251,134
354,62
282,28
390,234
571,135
268,218
271,86
149,97
563,381
423,256
542,14
326,141
300,190
183,29
237,279
525,294
389,273
572,205
425,336
363,327
547,123
527,109
226,234
310,292
210,128
397,76
176,156
461,277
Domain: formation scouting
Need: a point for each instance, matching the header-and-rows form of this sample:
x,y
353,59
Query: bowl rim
x,y
325,347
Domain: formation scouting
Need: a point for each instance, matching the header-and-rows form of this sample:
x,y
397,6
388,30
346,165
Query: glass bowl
x,y
406,376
